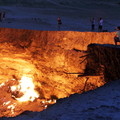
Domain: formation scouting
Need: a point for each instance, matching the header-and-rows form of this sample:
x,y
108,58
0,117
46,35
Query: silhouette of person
x,y
100,26
117,36
93,24
0,16
59,23
3,15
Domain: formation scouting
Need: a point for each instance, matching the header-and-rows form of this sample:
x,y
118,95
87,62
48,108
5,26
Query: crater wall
x,y
55,61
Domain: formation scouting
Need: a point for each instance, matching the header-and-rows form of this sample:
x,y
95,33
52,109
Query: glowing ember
x,y
11,107
2,84
6,103
45,106
13,88
26,86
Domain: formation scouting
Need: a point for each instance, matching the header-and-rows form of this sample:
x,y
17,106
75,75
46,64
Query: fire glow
x,y
26,87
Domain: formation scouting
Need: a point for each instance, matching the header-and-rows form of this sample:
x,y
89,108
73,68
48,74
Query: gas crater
x,y
39,67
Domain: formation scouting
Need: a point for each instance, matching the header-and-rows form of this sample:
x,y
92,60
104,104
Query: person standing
x,y
117,36
0,16
100,26
59,22
3,15
92,24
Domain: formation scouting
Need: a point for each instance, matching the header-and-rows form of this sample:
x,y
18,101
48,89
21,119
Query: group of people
x,y
100,24
100,28
2,16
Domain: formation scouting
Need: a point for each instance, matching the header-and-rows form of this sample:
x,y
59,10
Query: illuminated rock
x,y
39,67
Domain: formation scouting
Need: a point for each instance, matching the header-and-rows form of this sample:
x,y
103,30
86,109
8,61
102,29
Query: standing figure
x,y
100,26
0,16
117,36
93,24
59,22
3,15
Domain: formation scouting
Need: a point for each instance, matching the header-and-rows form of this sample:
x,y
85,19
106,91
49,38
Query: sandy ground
x,y
74,17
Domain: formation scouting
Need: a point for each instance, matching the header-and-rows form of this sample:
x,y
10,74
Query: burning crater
x,y
39,67
19,86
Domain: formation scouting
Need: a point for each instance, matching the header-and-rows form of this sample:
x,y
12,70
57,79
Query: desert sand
x,y
75,15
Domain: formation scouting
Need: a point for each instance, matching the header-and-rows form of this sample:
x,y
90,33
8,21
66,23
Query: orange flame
x,y
26,86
